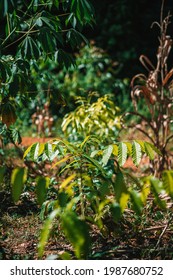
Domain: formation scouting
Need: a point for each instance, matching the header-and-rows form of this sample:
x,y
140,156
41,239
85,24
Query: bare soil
x,y
27,141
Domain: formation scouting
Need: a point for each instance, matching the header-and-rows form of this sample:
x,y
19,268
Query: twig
x,y
26,34
162,233
154,228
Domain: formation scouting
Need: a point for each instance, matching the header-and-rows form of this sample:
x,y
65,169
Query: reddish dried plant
x,y
157,90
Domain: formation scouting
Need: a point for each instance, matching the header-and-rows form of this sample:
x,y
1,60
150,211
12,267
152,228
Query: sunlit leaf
x,y
48,150
136,153
45,232
84,141
41,148
129,147
106,154
145,191
27,151
34,152
18,179
167,177
123,200
65,159
115,150
149,150
122,153
67,181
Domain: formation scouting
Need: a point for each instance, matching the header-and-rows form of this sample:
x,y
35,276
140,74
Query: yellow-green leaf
x,y
45,232
167,177
18,179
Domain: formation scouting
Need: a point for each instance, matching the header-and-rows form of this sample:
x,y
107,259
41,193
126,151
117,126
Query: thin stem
x,y
65,14
8,36
142,117
161,13
146,134
8,24
168,139
26,33
162,233
81,192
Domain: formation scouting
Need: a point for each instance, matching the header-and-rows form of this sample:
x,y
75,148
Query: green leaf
x,y
64,58
119,185
167,177
45,232
39,22
41,148
85,141
29,48
106,154
154,148
83,10
65,159
18,179
104,188
95,152
129,147
142,144
136,153
48,150
136,201
15,136
115,150
7,5
2,173
124,200
34,151
56,3
3,72
67,181
65,256
49,23
71,148
75,38
63,198
77,232
27,151
149,150
122,153
95,163
47,41
116,211
157,187
42,184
